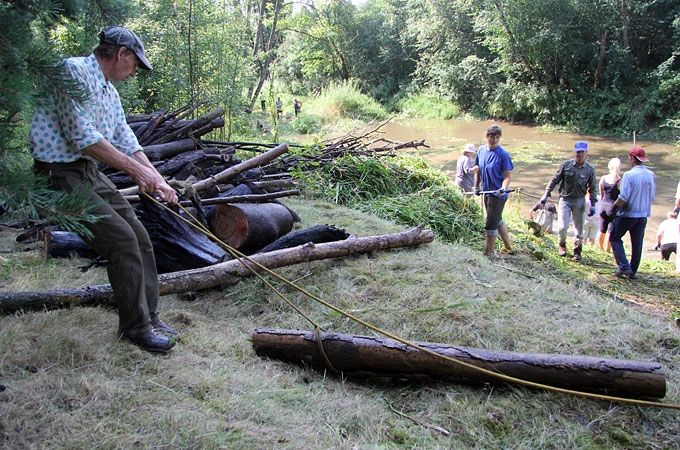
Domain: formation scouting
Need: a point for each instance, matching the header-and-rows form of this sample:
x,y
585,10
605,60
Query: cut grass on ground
x,y
67,383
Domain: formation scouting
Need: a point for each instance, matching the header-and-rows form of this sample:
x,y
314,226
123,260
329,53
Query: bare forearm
x,y
506,180
105,152
142,159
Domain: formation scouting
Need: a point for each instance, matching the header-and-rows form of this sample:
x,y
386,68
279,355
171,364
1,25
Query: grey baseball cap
x,y
126,38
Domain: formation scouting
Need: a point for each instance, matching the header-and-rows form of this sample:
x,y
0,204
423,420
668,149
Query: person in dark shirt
x,y
575,178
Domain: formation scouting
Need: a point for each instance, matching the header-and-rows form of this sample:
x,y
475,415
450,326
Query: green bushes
x,y
403,189
345,100
427,106
307,124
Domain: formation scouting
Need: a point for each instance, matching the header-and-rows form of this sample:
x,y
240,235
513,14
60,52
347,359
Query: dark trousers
x,y
667,250
117,236
494,213
635,226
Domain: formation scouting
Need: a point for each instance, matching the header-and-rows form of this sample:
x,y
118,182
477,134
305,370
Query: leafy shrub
x,y
471,84
427,106
404,189
340,100
307,124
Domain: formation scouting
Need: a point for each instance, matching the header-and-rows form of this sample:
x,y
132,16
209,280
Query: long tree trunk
x,y
364,355
600,60
226,273
624,23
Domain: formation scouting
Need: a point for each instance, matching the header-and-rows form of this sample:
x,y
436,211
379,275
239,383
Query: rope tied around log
x,y
242,258
319,342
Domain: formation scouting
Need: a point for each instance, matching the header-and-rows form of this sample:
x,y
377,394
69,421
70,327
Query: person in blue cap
x,y
68,138
575,178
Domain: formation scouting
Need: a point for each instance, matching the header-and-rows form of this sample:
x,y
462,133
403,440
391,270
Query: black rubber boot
x,y
577,252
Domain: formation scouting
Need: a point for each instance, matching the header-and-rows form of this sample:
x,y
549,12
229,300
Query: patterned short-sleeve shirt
x,y
63,128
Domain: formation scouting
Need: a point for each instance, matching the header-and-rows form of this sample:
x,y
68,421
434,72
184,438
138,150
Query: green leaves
x,y
404,189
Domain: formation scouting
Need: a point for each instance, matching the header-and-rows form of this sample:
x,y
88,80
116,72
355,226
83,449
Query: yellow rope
x,y
506,378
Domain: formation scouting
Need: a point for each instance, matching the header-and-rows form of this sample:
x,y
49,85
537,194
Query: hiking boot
x,y
164,328
150,340
625,274
577,252
562,251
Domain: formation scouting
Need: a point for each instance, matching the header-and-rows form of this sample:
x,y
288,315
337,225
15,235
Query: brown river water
x,y
537,153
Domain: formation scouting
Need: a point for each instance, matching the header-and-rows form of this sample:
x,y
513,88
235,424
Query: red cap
x,y
639,153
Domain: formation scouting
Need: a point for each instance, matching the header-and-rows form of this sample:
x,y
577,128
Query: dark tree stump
x,y
177,245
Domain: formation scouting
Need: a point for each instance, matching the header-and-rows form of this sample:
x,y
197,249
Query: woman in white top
x,y
609,192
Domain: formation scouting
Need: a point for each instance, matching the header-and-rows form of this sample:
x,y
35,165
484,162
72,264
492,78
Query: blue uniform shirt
x,y
63,128
492,164
638,189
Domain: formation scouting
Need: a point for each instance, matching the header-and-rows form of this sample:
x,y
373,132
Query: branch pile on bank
x,y
233,188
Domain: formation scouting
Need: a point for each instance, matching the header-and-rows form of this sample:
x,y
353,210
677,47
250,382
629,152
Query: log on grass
x,y
373,356
224,274
63,244
251,226
317,234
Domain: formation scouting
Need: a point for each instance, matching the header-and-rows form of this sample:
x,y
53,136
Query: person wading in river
x,y
494,164
575,178
68,138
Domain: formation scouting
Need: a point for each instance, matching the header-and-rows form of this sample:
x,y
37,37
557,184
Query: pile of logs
x,y
235,198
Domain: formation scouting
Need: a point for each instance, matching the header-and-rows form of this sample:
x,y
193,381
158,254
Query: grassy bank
x,y
66,382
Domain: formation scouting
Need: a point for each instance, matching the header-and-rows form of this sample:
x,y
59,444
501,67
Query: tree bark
x,y
600,60
226,273
364,355
164,151
624,24
176,245
232,171
250,226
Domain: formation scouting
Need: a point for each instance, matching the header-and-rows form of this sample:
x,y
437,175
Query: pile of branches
x,y
209,168
236,199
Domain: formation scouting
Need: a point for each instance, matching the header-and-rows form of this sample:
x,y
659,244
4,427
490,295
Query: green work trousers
x,y
117,236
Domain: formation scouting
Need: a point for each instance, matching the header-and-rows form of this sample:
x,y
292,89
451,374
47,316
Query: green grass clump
x,y
427,106
307,124
451,216
405,189
345,100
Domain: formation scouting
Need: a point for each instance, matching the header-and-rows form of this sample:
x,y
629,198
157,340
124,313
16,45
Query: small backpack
x,y
544,218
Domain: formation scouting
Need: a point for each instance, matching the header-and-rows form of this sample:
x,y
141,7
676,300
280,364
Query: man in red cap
x,y
631,209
